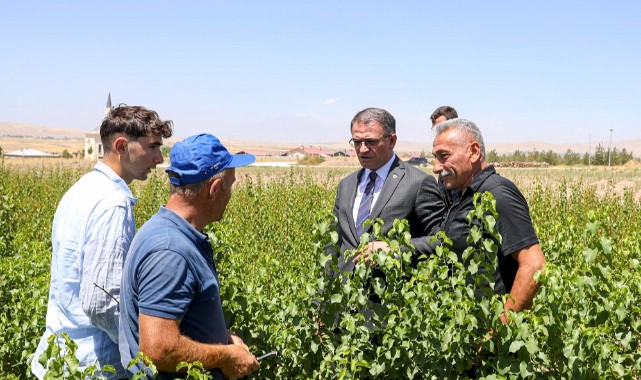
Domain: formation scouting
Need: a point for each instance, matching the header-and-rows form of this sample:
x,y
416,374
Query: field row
x,y
585,323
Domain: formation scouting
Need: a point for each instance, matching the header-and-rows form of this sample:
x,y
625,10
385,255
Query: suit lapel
x,y
396,173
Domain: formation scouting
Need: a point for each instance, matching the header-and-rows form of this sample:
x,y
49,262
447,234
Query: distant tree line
x,y
599,157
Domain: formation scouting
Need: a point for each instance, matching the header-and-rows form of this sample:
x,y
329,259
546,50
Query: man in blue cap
x,y
170,299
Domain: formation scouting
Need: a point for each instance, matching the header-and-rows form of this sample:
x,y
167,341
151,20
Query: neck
x,y
113,161
191,212
477,168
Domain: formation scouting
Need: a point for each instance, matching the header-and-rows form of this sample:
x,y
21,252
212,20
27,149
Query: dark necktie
x,y
366,203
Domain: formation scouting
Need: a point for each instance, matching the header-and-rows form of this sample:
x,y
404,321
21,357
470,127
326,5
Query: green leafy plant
x,y
428,323
59,359
144,365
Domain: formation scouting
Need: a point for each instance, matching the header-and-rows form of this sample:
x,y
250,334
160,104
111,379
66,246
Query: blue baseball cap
x,y
200,157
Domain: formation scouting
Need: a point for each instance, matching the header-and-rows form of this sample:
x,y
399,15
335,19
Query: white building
x,y
93,145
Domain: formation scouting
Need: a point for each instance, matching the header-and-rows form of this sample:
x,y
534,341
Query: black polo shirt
x,y
513,223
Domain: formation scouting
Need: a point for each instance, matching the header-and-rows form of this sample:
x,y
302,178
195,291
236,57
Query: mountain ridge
x,y
14,134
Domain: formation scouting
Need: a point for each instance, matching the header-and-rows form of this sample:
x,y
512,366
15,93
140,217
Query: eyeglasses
x,y
356,143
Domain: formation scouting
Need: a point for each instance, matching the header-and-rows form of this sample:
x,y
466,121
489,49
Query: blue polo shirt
x,y
170,273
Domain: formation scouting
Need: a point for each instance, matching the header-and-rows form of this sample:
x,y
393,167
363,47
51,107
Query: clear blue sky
x,y
298,71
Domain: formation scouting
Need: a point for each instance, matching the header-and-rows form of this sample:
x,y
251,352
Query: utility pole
x,y
590,151
610,149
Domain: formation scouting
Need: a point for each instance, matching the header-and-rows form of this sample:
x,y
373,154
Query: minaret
x,y
108,106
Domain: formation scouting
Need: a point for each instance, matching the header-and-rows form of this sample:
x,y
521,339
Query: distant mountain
x,y
21,130
8,129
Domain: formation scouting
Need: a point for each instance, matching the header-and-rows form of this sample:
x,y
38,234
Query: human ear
x,y
475,151
215,185
392,140
120,145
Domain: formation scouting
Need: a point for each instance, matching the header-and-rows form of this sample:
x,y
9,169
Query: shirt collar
x,y
197,236
103,168
481,177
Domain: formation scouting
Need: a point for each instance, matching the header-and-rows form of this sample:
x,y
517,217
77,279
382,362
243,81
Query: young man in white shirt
x,y
91,233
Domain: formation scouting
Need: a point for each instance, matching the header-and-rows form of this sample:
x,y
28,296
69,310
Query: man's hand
x,y
366,253
240,362
235,339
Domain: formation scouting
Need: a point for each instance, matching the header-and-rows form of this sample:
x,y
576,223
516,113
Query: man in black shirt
x,y
459,159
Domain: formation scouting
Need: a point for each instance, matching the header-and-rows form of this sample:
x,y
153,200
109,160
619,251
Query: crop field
x,y
270,248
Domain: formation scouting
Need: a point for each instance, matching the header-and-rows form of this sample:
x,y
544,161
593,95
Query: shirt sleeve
x,y
166,285
514,222
109,234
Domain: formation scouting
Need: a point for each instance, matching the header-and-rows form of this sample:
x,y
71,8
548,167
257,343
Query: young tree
x,y
587,160
492,156
600,156
519,156
571,158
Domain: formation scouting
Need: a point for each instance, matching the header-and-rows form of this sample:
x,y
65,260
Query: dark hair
x,y
134,122
379,115
447,111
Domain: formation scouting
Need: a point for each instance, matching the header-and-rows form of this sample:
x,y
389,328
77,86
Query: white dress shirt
x,y
381,175
91,233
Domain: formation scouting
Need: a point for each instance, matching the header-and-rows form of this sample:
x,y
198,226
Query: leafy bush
x,y
311,160
272,261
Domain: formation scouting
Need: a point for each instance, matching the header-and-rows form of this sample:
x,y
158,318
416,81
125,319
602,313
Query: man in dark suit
x,y
385,188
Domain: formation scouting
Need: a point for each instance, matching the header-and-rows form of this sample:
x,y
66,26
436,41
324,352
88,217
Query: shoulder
x,y
500,186
94,195
156,234
417,175
160,242
350,179
510,202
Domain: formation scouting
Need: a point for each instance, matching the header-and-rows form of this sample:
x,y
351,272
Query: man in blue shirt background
x,y
171,306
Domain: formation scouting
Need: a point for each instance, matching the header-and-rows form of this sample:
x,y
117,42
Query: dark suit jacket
x,y
408,193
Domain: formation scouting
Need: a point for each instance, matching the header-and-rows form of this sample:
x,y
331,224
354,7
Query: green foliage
x,y
145,365
195,371
59,359
600,157
27,204
311,160
164,150
273,263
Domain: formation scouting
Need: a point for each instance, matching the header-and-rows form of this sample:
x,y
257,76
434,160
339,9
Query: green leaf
x,y
589,254
606,244
516,345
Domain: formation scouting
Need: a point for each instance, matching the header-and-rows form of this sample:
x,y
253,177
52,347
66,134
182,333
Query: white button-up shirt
x,y
92,230
381,176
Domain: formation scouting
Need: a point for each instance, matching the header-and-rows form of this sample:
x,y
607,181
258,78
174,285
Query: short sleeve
x,y
514,222
166,285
